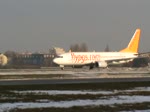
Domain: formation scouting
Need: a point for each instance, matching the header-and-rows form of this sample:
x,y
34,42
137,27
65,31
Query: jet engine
x,y
101,64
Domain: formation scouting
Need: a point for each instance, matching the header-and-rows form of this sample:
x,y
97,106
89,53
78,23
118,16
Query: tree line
x,y
79,47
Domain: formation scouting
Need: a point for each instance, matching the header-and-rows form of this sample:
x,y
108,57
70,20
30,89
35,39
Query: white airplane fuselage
x,y
101,59
83,58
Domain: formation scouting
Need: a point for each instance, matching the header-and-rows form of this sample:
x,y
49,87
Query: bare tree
x,y
79,48
11,54
84,47
107,48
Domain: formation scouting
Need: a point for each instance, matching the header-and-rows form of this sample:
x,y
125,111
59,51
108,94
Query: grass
x,y
85,86
32,97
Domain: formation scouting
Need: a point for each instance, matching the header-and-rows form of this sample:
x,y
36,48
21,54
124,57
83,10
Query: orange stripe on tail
x,y
134,43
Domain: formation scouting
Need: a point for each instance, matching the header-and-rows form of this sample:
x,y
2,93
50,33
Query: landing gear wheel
x,y
91,66
62,68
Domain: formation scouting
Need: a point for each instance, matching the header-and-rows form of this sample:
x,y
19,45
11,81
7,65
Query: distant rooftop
x,y
57,50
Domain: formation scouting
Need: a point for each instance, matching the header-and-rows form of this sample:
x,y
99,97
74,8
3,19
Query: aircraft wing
x,y
120,60
123,60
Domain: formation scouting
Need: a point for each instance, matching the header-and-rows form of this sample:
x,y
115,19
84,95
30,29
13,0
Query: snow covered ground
x,y
75,73
112,100
6,107
82,92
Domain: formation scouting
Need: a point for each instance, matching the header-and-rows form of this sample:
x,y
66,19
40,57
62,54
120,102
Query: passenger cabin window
x,y
59,56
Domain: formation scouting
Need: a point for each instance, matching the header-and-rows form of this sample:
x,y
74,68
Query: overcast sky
x,y
38,25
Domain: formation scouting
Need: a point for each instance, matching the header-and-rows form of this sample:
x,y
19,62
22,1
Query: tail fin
x,y
134,43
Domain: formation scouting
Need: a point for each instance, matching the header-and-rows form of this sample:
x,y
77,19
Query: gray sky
x,y
37,25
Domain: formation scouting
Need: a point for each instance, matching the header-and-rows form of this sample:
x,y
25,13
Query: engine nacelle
x,y
101,64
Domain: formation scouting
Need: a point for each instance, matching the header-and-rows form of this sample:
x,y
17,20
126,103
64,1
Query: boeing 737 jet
x,y
100,59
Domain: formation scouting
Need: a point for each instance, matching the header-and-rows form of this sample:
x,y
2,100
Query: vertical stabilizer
x,y
134,43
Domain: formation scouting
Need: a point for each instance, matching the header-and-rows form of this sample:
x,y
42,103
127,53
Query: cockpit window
x,y
59,57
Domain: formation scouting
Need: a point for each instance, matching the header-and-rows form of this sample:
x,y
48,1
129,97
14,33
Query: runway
x,y
72,81
73,76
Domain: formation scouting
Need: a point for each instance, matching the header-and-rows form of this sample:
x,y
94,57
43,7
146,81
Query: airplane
x,y
100,59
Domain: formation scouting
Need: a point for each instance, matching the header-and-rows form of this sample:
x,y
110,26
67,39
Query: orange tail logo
x,y
134,43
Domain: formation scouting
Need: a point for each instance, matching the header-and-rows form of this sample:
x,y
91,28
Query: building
x,y
56,51
32,60
28,60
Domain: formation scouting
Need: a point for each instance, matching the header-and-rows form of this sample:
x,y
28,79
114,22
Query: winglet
x,y
134,43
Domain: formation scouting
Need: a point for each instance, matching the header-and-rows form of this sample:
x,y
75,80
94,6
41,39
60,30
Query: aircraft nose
x,y
55,60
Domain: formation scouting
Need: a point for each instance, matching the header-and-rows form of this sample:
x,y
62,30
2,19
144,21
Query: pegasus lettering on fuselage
x,y
78,58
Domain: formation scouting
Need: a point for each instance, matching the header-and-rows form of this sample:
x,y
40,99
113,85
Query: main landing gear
x,y
92,65
62,67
